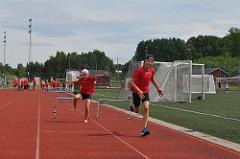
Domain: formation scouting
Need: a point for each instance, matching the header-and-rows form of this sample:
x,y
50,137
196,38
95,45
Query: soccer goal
x,y
178,80
71,76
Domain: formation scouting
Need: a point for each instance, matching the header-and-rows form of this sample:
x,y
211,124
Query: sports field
x,y
29,131
218,115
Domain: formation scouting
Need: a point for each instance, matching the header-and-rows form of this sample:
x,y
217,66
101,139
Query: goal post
x,y
71,76
171,77
178,80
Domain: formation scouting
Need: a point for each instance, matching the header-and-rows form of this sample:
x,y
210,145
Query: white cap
x,y
85,71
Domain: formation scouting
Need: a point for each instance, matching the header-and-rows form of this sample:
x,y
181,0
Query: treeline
x,y
195,47
211,50
57,65
221,52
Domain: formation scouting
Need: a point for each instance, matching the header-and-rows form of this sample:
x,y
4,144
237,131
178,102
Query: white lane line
x,y
38,130
73,131
186,110
118,138
121,140
217,142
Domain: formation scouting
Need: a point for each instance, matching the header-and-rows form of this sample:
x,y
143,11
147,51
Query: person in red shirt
x,y
53,84
86,83
140,82
34,83
46,85
58,84
14,83
25,83
22,84
42,84
18,84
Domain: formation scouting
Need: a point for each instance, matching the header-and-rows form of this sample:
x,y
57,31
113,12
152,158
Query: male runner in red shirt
x,y
46,85
87,90
140,82
42,84
34,83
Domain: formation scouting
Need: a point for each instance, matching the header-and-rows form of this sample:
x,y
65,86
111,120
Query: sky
x,y
113,26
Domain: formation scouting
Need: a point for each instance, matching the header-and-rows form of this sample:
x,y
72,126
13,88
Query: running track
x,y
27,131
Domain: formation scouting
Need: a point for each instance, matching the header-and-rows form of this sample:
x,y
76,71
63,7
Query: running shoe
x,y
145,132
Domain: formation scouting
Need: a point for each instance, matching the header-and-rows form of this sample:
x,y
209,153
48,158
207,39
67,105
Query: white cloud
x,y
115,27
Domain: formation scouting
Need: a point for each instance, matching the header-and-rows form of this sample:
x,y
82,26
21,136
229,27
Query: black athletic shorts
x,y
86,96
137,100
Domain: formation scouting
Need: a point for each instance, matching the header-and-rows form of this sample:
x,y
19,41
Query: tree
x,y
162,49
232,41
35,69
203,46
226,62
20,71
56,66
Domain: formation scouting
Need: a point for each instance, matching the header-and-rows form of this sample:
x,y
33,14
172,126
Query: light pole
x,y
4,48
69,62
189,50
146,50
239,70
30,40
30,46
117,73
96,66
4,58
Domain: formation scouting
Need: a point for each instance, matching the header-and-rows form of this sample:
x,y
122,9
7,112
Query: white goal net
x,y
174,80
71,76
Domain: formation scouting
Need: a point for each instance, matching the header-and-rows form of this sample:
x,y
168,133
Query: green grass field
x,y
218,115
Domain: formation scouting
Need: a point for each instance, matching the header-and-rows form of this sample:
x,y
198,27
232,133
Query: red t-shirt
x,y
87,85
142,78
14,83
57,84
53,84
34,81
41,83
26,83
46,83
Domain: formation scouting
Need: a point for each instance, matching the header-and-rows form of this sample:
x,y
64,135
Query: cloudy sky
x,y
112,26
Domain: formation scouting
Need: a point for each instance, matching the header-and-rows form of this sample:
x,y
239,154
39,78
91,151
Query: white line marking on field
x,y
186,110
226,145
38,130
118,138
121,140
195,112
72,131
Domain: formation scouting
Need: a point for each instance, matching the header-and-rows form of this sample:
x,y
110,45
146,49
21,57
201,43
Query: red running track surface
x,y
27,131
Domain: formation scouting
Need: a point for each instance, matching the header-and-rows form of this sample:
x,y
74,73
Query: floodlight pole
x,y
30,46
4,56
4,48
190,82
96,65
117,73
69,62
239,69
146,50
203,85
30,40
